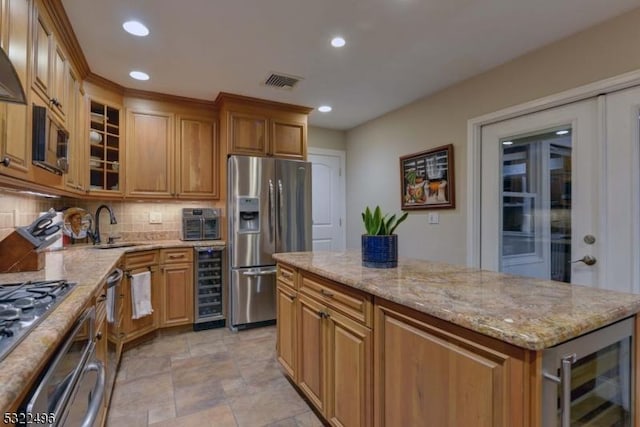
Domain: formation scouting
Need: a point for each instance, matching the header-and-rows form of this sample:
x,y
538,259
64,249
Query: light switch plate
x,y
155,217
433,218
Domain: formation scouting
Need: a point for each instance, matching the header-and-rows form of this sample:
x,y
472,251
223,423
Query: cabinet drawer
x,y
350,302
287,275
140,259
176,255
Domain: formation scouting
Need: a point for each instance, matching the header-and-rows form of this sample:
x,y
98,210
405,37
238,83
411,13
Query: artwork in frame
x,y
427,179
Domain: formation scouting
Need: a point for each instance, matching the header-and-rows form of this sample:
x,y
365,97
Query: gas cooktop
x,y
24,305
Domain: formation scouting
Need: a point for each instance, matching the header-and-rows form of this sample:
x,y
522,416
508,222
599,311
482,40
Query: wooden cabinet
x,y
76,148
139,262
104,143
176,287
49,66
425,372
286,341
14,133
197,159
250,126
325,345
101,344
149,161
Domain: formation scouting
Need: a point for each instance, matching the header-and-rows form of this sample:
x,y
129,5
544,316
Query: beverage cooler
x,y
209,290
588,381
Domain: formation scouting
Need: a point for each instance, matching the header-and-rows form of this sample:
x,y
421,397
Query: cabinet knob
x,y
98,336
5,161
101,298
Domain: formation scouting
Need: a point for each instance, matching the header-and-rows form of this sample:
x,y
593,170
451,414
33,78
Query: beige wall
x,y
326,138
373,148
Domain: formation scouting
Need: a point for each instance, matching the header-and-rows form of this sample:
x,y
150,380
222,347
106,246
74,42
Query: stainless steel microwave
x,y
49,142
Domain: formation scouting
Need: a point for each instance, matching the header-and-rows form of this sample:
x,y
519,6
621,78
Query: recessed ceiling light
x,y
136,28
324,108
562,132
338,42
139,75
507,142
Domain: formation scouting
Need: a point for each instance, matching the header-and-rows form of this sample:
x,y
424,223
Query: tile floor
x,y
207,378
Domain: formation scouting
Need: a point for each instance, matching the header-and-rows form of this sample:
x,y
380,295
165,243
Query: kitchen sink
x,y
114,245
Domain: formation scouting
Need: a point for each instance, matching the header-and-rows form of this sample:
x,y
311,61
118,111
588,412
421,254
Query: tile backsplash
x,y
133,217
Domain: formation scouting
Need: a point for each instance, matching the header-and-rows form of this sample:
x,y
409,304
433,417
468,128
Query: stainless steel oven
x,y
588,381
71,387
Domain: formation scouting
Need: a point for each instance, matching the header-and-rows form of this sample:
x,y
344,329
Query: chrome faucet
x,y
112,220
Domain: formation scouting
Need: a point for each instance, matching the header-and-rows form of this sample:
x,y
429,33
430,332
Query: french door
x,y
560,193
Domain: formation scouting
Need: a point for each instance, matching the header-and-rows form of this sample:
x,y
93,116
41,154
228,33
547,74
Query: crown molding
x,y
63,28
231,97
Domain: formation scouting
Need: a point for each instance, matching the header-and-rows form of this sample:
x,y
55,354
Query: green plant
x,y
377,224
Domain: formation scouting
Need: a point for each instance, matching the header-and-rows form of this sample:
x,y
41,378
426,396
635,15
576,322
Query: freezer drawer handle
x,y
258,273
96,395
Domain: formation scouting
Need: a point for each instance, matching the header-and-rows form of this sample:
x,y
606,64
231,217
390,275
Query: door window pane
x,y
536,204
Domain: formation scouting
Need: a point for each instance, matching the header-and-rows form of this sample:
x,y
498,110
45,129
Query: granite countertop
x,y
85,266
530,313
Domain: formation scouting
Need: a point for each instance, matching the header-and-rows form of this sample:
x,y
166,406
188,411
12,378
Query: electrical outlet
x,y
155,217
433,218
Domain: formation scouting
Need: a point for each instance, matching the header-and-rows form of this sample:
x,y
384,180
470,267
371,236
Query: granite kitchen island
x,y
430,343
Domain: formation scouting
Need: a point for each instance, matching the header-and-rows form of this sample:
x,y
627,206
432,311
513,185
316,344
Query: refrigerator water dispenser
x,y
249,214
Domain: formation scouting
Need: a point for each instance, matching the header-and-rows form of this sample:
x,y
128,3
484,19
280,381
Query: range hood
x,y
10,87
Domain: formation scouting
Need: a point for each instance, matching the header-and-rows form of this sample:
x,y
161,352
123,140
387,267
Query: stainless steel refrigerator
x,y
269,210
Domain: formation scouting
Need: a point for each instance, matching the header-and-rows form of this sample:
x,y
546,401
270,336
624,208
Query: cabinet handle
x,y
326,293
101,298
285,274
324,314
176,256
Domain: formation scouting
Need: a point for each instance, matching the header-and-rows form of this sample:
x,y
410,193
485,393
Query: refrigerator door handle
x,y
271,210
259,273
281,208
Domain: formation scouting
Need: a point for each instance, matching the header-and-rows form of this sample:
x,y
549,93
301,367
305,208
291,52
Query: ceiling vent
x,y
282,81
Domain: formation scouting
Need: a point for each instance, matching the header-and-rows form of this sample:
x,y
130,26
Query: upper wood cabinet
x,y
75,180
256,127
197,159
49,66
149,160
103,141
15,150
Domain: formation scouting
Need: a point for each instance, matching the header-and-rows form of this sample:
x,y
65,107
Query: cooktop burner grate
x,y
24,305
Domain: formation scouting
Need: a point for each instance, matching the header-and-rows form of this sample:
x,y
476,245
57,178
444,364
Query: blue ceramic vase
x,y
380,251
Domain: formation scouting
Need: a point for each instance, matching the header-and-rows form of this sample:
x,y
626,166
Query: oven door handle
x,y
96,394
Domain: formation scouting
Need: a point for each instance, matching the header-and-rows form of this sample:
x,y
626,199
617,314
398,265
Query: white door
x,y
621,229
540,202
328,200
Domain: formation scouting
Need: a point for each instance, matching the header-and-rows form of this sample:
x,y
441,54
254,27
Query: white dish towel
x,y
111,300
141,295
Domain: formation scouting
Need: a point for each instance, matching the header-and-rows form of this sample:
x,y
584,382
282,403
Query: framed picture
x,y
426,179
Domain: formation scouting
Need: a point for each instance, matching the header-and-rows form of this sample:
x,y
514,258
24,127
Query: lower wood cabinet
x,y
286,341
139,262
176,287
398,367
327,354
101,349
424,372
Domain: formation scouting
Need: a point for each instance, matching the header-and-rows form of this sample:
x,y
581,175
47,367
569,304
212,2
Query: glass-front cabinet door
x,y
105,148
